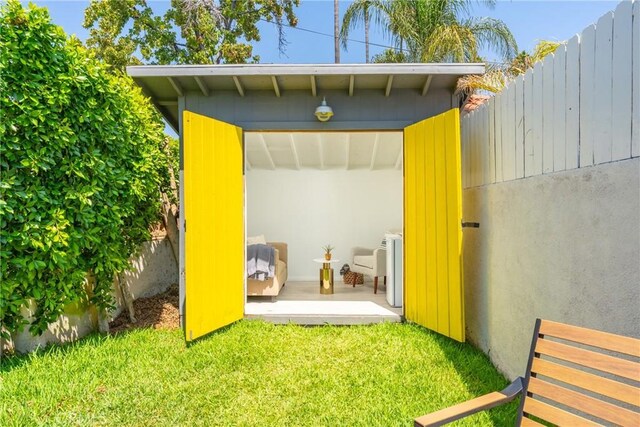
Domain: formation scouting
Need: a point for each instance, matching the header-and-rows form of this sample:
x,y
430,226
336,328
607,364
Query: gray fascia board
x,y
301,70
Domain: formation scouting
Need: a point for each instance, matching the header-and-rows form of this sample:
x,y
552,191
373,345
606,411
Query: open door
x,y
214,224
434,295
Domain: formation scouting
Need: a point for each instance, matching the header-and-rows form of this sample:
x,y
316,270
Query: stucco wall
x,y
563,246
154,270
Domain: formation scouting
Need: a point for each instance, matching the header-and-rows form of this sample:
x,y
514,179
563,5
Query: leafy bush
x,y
82,163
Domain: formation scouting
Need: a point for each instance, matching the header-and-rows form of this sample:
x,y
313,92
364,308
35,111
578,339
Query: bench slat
x,y
581,402
591,359
587,381
526,422
604,340
554,415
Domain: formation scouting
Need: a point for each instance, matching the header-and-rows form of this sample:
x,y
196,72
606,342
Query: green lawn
x,y
251,373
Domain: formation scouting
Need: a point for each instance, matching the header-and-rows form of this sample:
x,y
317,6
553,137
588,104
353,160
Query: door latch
x,y
470,224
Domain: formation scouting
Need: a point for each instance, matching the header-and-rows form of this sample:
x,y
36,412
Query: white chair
x,y
370,262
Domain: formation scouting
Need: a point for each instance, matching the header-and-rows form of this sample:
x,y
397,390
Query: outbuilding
x,y
234,119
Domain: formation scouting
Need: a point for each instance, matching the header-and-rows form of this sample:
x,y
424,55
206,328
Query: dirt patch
x,y
158,312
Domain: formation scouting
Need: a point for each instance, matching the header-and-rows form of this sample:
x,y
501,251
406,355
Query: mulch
x,y
157,312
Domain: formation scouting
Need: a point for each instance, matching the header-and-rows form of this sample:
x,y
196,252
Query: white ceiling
x,y
323,150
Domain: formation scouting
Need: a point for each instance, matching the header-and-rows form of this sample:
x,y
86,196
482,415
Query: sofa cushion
x,y
363,261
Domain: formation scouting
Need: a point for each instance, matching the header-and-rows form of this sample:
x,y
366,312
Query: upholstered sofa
x,y
271,287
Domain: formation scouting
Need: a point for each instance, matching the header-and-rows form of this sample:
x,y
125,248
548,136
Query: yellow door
x,y
214,224
434,295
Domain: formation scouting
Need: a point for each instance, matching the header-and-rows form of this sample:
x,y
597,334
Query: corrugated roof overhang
x,y
166,83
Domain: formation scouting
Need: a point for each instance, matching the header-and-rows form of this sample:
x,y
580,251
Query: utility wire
x,y
357,41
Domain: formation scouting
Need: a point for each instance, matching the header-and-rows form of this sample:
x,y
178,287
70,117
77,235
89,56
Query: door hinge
x,y
470,224
184,225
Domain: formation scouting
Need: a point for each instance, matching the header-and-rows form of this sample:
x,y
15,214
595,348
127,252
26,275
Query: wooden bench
x,y
575,377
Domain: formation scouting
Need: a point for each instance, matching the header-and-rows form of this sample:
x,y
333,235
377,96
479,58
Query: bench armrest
x,y
461,410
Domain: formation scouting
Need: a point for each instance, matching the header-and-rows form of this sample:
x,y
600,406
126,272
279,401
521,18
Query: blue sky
x,y
529,21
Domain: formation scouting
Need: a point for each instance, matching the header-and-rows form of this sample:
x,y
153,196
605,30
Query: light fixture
x,y
324,112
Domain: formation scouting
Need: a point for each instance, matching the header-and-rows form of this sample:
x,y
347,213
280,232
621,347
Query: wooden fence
x,y
578,107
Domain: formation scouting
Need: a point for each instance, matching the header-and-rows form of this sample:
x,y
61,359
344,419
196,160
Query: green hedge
x,y
82,163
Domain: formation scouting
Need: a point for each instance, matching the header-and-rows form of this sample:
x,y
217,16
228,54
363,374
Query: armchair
x,y
370,262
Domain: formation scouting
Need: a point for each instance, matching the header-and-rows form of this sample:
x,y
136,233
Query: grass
x,y
250,373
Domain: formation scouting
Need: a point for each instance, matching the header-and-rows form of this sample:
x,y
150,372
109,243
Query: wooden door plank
x,y
430,220
453,202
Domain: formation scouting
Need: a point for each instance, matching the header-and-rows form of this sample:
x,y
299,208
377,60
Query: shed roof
x,y
166,83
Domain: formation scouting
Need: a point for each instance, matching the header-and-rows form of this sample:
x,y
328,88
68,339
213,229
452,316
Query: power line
x,y
331,35
307,30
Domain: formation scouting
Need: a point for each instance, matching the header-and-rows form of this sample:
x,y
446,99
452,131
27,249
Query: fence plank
x,y
587,96
559,109
547,113
635,125
519,126
473,147
485,145
536,122
602,91
464,131
499,135
491,109
528,122
509,134
621,82
572,119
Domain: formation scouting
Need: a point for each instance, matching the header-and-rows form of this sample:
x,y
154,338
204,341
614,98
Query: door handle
x,y
470,224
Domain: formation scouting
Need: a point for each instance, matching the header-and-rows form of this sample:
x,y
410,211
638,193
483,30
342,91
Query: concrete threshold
x,y
321,312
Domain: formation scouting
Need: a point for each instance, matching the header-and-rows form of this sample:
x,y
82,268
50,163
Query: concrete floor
x,y
302,303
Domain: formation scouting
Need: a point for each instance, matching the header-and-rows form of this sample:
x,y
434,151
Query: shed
x,y
211,107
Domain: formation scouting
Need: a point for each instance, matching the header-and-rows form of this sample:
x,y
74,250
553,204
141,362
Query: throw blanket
x,y
261,261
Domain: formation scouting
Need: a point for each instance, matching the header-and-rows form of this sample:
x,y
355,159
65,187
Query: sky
x,y
529,21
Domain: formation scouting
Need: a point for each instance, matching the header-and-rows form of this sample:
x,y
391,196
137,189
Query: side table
x,y
326,275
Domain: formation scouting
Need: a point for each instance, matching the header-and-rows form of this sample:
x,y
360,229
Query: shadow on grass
x,y
477,374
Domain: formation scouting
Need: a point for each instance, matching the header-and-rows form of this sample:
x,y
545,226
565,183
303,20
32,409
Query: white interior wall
x,y
308,209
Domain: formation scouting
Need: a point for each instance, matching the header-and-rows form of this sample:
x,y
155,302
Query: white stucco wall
x,y
311,208
563,246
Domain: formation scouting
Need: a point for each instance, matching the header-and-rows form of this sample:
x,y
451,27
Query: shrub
x,y
82,162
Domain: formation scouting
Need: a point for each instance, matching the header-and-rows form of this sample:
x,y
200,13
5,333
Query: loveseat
x,y
271,287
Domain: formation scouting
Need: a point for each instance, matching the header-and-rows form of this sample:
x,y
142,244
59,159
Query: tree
x,y
336,31
83,164
124,32
498,76
433,30
356,13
